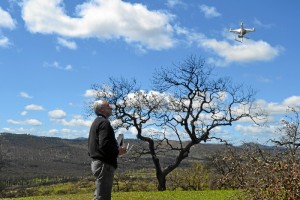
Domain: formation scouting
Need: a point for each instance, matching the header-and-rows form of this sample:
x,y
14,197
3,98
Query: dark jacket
x,y
102,144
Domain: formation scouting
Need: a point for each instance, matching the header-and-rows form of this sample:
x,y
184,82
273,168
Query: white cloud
x,y
173,3
228,51
67,43
66,133
32,122
209,11
254,129
90,93
261,134
77,120
13,122
20,130
103,19
53,131
275,108
57,65
292,101
25,95
4,42
64,130
57,114
24,113
34,107
249,51
6,20
68,67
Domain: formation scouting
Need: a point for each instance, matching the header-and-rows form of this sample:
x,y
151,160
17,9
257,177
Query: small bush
x,y
196,177
262,175
133,181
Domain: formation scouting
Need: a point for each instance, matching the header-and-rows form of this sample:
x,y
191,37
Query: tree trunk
x,y
160,176
161,182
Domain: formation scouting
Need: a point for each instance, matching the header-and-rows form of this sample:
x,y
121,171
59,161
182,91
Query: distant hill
x,y
27,156
30,156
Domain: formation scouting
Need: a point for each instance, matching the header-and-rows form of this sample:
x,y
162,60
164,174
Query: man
x,y
104,150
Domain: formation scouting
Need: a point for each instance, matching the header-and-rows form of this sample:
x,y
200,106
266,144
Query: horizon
x,y
84,138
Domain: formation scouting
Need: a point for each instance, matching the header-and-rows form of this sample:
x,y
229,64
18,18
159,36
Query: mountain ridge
x,y
27,156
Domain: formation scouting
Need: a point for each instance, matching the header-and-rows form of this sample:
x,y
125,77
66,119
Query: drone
x,y
241,32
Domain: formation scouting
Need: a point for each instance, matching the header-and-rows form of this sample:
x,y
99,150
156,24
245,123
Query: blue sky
x,y
51,52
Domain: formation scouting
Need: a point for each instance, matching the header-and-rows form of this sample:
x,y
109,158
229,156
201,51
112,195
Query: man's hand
x,y
122,150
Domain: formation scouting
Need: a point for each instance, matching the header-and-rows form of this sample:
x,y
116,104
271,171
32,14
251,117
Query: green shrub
x,y
196,177
262,175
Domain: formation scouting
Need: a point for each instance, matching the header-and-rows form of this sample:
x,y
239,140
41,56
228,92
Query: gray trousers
x,y
104,174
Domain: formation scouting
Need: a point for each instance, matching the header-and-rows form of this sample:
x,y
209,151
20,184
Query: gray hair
x,y
97,106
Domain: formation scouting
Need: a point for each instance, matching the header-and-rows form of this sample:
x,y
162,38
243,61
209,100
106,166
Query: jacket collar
x,y
100,115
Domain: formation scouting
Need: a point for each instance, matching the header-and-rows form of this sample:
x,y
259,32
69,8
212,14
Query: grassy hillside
x,y
27,157
27,160
32,166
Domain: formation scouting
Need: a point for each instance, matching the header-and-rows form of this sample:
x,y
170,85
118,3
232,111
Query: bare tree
x,y
201,104
187,105
290,131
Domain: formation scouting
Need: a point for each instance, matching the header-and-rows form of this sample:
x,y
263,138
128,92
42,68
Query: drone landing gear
x,y
241,40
